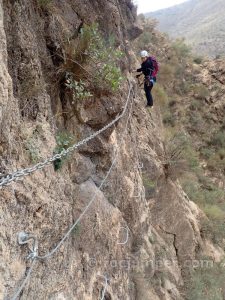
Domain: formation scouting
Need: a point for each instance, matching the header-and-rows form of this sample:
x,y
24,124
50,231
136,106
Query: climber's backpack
x,y
155,65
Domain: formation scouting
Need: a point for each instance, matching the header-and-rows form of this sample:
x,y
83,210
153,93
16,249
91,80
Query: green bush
x,y
205,182
145,39
152,238
169,119
111,75
197,122
182,87
63,141
150,186
200,91
33,149
192,157
44,3
204,195
160,96
210,199
221,154
94,58
206,153
180,157
214,212
214,230
76,230
195,105
207,284
218,139
172,103
181,49
78,88
198,60
32,144
216,162
166,73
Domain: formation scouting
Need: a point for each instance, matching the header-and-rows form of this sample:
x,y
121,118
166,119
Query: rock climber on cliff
x,y
149,68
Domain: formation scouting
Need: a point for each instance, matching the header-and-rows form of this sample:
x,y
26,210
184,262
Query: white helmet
x,y
144,53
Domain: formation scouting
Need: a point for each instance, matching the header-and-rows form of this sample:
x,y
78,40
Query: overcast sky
x,y
151,5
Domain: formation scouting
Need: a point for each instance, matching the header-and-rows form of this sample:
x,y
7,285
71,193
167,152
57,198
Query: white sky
x,y
145,6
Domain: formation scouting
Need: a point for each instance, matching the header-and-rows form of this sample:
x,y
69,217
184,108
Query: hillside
x,y
201,23
190,94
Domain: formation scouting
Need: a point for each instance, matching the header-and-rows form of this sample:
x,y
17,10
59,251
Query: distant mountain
x,y
201,22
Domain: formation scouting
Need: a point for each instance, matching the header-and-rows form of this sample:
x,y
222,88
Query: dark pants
x,y
148,88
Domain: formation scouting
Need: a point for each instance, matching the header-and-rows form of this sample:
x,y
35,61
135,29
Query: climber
x,y
149,68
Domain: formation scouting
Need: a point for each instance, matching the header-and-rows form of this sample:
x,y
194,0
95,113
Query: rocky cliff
x,y
141,232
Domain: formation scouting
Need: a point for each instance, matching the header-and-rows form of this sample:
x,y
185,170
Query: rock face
x,y
139,237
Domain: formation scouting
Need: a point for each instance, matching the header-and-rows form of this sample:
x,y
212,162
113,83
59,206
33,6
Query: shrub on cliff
x,y
169,119
200,91
210,199
44,3
167,72
180,156
63,141
218,139
181,49
160,94
207,281
217,161
78,88
198,60
95,59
